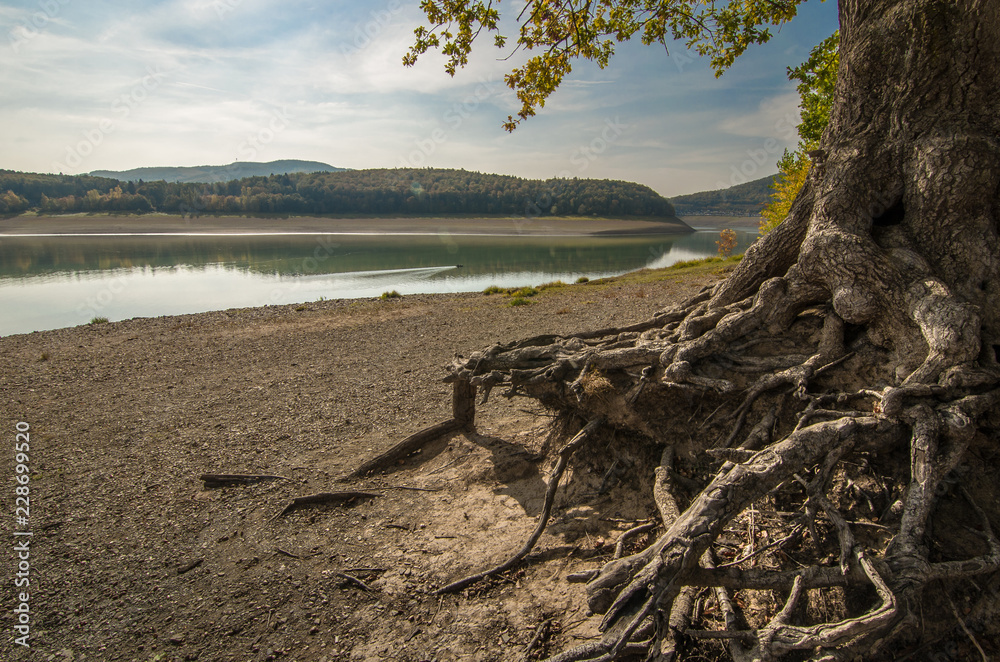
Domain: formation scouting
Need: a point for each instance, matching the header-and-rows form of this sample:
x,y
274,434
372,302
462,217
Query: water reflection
x,y
51,282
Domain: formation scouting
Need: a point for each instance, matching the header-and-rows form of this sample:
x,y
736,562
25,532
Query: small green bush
x,y
99,320
523,292
520,301
549,285
582,279
494,289
390,295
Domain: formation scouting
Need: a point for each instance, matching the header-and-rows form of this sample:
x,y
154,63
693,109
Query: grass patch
x,y
390,295
494,289
550,285
300,308
520,301
522,292
98,320
582,279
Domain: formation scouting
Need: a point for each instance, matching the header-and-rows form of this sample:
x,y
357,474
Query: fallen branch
x,y
226,480
353,580
405,448
324,497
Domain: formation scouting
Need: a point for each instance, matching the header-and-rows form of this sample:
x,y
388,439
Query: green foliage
x,y
582,279
98,320
519,293
685,264
494,289
402,191
519,301
817,78
550,285
561,31
390,295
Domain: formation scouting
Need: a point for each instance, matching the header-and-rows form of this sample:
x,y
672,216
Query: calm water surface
x,y
54,282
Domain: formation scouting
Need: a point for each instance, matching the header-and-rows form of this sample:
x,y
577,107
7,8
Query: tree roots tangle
x,y
824,445
842,419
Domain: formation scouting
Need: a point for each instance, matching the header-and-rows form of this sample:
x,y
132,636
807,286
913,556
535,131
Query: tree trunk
x,y
877,302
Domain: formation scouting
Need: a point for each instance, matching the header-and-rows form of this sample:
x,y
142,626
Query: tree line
x,y
401,191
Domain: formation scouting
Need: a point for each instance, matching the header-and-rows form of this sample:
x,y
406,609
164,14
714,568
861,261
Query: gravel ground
x,y
132,558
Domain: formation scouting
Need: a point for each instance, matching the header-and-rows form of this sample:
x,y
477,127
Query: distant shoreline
x,y
164,224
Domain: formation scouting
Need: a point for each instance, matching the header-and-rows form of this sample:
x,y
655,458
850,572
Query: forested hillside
x,y
351,192
224,173
740,200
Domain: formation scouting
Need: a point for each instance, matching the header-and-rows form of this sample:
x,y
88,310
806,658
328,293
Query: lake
x,y
49,282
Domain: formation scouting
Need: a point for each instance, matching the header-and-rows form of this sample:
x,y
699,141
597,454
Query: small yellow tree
x,y
794,168
726,242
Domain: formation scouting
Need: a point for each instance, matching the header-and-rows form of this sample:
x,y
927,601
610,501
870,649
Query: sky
x,y
114,85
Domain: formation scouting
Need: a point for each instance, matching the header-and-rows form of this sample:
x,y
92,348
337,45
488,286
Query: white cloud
x,y
335,68
773,118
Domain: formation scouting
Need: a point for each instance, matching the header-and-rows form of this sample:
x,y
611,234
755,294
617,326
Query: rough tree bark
x,y
868,321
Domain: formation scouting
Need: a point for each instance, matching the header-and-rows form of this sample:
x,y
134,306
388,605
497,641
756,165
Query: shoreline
x,y
174,225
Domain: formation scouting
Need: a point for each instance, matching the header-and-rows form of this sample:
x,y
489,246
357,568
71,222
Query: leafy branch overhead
x,y
558,32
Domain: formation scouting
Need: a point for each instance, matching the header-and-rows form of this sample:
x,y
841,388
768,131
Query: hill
x,y
740,200
211,174
382,192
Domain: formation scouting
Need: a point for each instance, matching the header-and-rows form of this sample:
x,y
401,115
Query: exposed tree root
x,y
324,497
783,340
550,495
463,417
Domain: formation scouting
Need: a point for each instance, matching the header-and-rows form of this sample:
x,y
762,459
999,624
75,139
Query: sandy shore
x,y
164,223
133,558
